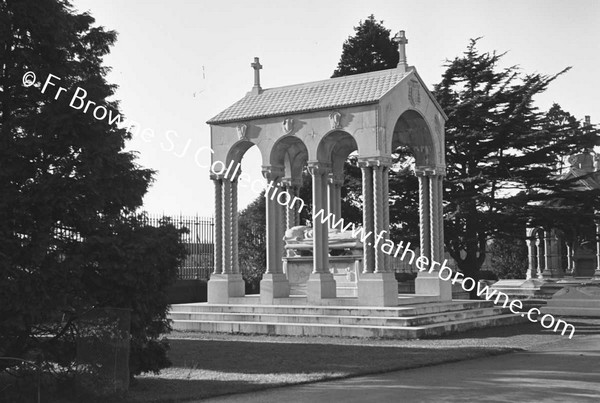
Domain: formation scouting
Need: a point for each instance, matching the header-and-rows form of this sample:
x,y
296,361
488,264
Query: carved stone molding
x,y
375,162
438,124
318,168
272,173
335,120
414,93
241,131
287,125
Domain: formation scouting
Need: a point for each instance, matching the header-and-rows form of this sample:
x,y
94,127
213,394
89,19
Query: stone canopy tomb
x,y
317,125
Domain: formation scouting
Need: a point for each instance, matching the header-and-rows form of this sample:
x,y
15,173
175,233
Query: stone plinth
x,y
575,301
378,289
273,285
430,284
345,271
221,287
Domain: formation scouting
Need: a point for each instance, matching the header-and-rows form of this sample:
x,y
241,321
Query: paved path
x,y
566,371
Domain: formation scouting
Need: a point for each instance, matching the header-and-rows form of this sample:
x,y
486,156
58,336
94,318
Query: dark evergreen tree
x,y
252,247
370,49
509,258
69,241
503,156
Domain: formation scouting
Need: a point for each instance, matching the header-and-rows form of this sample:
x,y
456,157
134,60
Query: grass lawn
x,y
207,365
203,368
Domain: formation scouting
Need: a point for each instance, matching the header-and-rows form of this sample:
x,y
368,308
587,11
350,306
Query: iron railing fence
x,y
198,240
199,243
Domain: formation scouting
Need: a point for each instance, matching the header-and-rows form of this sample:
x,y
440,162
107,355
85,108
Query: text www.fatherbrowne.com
x,y
447,274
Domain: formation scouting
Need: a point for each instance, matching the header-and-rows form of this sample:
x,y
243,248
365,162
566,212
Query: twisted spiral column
x,y
282,217
227,229
434,217
597,272
290,211
378,217
386,213
234,225
424,222
440,204
218,243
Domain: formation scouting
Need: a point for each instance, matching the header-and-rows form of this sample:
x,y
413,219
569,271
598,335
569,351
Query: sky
x,y
178,63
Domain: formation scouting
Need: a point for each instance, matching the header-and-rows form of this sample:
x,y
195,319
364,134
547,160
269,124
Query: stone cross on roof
x,y
256,66
401,40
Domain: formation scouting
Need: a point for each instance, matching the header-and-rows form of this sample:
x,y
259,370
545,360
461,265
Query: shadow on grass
x,y
583,327
179,390
266,358
204,368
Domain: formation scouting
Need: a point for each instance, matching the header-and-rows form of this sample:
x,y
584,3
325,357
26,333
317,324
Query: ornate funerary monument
x,y
316,126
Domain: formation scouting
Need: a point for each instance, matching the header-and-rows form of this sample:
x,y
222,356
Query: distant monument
x,y
316,126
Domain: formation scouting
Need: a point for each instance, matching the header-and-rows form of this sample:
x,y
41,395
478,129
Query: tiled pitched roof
x,y
359,89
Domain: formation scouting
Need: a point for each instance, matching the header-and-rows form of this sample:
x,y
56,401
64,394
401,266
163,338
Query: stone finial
x,y
256,66
401,40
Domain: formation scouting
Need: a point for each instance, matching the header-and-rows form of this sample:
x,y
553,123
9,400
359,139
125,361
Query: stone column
x,y
547,273
386,214
431,234
334,196
367,193
320,284
226,282
227,230
556,247
274,283
291,187
540,255
424,222
440,182
529,239
597,272
377,286
218,235
235,262
434,217
378,217
569,258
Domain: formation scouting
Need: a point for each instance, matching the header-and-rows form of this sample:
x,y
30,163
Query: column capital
x,y
430,171
424,171
530,232
336,179
318,168
291,182
273,173
375,162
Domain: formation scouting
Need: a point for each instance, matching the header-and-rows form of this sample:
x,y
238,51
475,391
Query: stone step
x,y
588,312
341,300
337,330
338,319
400,311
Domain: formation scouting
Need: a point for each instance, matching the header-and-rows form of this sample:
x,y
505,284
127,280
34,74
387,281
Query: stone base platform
x,y
583,300
409,321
